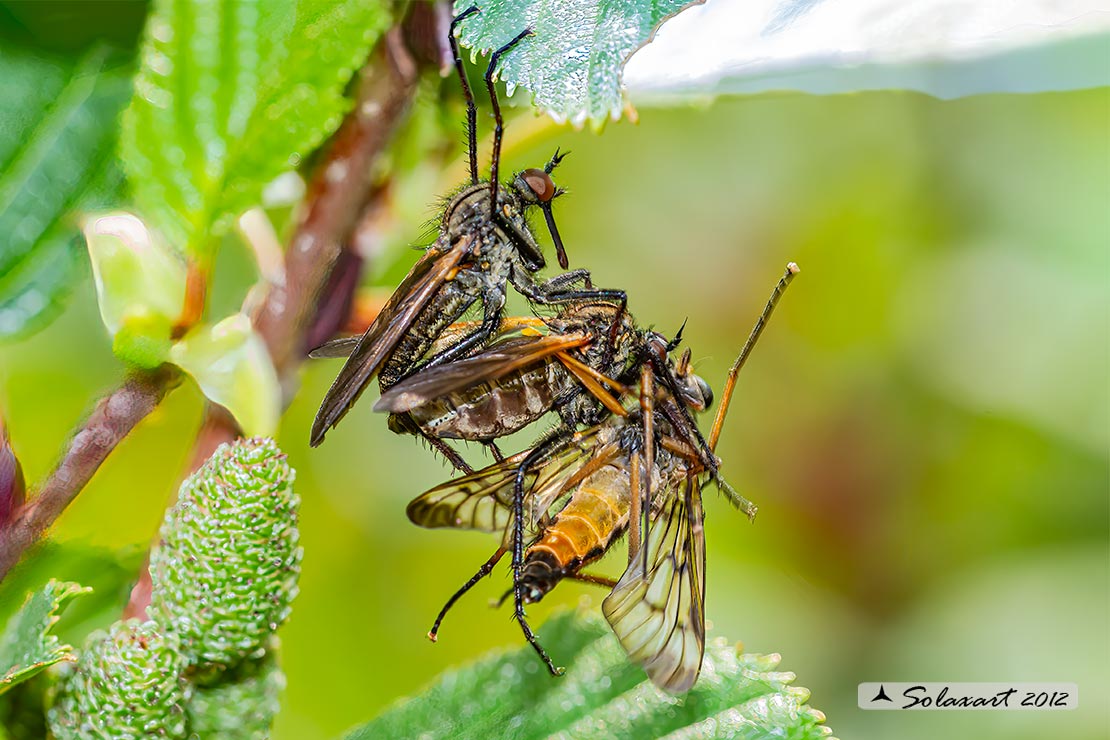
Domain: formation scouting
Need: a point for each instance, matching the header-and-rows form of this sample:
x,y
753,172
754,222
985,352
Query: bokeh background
x,y
924,424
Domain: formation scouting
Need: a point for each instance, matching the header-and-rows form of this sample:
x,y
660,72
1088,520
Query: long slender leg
x,y
595,580
494,450
471,109
647,411
635,504
492,309
484,571
448,452
726,396
498,122
566,280
541,451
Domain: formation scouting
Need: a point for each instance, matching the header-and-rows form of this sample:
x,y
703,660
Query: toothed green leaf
x,y
27,647
602,695
229,96
573,62
58,127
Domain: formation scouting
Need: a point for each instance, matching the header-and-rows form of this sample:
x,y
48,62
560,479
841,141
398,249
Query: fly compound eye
x,y
539,182
706,392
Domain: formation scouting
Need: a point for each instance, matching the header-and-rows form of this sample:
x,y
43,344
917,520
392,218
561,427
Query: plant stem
x,y
334,204
335,196
112,419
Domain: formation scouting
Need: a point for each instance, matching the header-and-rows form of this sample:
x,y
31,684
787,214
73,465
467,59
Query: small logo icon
x,y
881,696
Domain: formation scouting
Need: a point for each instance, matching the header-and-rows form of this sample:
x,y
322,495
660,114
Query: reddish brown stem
x,y
114,416
335,196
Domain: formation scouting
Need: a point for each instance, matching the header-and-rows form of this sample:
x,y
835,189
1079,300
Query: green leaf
x,y
573,63
511,695
231,94
232,366
27,647
140,286
59,131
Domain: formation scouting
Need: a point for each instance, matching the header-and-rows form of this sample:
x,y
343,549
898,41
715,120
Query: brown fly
x,y
634,473
484,243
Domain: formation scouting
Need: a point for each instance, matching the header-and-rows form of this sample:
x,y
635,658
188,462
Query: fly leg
x,y
494,450
484,571
537,455
556,291
447,451
595,580
498,123
471,109
493,302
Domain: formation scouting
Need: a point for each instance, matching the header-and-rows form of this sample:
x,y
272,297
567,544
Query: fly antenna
x,y
498,122
792,269
468,94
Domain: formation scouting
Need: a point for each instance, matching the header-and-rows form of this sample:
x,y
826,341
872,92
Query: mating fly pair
x,y
636,472
484,243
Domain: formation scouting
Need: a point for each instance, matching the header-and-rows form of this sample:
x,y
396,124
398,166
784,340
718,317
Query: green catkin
x,y
126,685
237,704
225,571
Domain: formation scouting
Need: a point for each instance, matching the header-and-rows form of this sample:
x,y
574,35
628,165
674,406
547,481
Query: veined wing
x,y
659,615
494,362
470,502
333,348
483,500
344,346
379,341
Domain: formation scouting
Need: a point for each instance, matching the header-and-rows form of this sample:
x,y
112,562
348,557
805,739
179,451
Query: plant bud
x,y
12,486
127,684
238,704
225,571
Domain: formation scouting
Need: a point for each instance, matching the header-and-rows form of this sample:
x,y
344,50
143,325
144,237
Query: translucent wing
x,y
338,347
344,346
659,615
483,500
469,502
379,341
495,362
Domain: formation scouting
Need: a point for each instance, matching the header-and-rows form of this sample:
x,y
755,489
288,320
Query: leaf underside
x,y
27,647
58,127
602,695
573,62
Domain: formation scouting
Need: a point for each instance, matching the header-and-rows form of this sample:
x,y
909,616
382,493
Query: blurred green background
x,y
924,424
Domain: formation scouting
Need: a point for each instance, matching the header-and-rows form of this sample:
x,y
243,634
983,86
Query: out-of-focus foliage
x,y
937,47
602,696
27,645
224,573
230,95
140,286
58,129
230,363
573,61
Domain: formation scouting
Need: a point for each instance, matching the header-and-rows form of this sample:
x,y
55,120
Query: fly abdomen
x,y
596,515
490,410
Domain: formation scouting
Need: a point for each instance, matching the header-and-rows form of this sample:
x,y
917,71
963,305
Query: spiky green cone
x,y
237,704
225,572
127,684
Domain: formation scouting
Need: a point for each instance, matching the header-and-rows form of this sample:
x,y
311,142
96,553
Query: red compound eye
x,y
540,183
